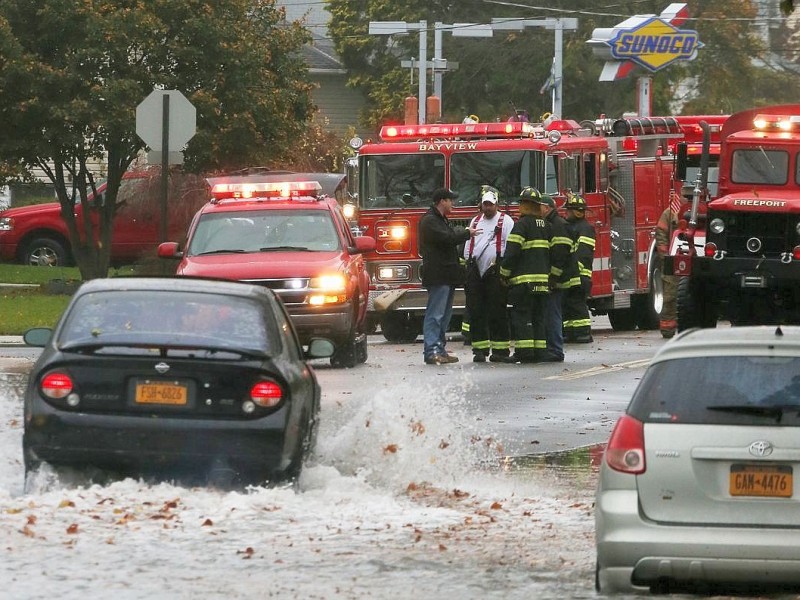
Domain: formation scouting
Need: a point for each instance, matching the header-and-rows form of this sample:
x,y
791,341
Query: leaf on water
x,y
72,529
31,520
417,427
390,449
27,531
443,444
207,523
442,548
496,506
66,504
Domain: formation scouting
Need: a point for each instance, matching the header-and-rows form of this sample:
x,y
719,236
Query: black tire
x,y
400,328
695,309
345,355
45,252
622,319
362,352
648,307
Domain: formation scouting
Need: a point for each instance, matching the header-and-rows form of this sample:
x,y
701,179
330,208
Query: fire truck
x,y
622,167
736,250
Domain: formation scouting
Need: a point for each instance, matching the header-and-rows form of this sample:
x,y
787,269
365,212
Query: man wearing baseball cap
x,y
441,273
486,294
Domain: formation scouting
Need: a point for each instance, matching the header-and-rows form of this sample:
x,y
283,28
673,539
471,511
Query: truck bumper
x,y
747,273
412,300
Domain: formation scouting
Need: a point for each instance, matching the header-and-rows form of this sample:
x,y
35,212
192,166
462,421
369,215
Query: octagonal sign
x,y
181,116
655,44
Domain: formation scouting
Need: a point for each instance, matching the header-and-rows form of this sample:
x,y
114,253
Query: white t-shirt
x,y
486,239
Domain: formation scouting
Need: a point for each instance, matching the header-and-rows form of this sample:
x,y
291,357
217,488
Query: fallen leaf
x,y
207,523
496,506
27,531
66,504
72,528
443,445
390,449
31,519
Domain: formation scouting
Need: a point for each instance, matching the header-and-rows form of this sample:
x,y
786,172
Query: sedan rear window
x,y
167,318
762,390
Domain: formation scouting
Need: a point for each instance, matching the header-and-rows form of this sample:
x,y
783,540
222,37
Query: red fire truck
x,y
737,250
621,166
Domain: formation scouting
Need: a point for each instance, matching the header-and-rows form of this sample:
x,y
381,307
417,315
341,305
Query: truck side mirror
x,y
682,163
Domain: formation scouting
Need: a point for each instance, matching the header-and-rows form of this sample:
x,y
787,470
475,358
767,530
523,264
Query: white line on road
x,y
634,364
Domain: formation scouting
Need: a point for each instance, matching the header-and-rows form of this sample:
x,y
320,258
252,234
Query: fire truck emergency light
x,y
462,130
273,189
776,122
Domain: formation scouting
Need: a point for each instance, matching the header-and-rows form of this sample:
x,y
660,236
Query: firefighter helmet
x,y
530,194
576,202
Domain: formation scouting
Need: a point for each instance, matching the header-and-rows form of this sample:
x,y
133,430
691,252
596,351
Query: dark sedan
x,y
148,374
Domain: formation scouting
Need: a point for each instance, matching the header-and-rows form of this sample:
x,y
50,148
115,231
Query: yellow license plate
x,y
774,481
161,393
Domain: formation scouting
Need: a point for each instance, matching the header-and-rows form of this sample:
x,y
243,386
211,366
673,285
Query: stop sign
x,y
182,118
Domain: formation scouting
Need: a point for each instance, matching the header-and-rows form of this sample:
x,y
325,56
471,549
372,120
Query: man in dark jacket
x,y
577,320
563,275
441,273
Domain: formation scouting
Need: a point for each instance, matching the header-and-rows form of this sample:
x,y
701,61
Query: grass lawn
x,y
21,309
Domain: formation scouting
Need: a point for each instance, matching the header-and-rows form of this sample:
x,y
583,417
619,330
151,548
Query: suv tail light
x,y
625,451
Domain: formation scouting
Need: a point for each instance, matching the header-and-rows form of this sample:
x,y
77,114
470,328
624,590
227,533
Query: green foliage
x,y
73,71
510,68
17,274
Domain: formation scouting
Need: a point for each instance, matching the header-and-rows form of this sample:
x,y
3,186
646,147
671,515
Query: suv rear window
x,y
743,390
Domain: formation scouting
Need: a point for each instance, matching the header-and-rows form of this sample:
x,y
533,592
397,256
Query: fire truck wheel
x,y
400,328
622,319
695,309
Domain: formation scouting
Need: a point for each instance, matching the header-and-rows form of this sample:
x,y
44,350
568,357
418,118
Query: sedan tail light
x,y
625,451
266,394
56,385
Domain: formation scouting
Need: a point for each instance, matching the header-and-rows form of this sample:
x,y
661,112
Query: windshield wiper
x,y
280,248
223,251
774,411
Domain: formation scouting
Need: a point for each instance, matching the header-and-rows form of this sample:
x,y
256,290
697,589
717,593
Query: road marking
x,y
602,369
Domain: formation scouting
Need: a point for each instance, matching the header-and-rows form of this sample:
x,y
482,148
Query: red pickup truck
x,y
37,235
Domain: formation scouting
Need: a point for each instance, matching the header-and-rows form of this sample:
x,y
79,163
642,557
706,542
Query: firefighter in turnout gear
x,y
667,223
526,267
485,293
577,321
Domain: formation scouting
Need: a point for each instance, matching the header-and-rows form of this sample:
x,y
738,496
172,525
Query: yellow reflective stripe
x,y
529,278
515,238
585,272
556,271
480,345
464,325
560,240
540,344
586,240
535,244
505,272
578,323
500,345
525,344
569,283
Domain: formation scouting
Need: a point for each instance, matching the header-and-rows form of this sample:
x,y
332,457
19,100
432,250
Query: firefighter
x,y
577,321
667,223
526,268
485,293
563,275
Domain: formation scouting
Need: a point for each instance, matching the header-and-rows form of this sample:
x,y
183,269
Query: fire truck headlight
x,y
717,225
554,136
392,232
393,273
349,211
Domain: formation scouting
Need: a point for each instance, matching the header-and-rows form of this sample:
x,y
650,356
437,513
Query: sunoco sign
x,y
655,44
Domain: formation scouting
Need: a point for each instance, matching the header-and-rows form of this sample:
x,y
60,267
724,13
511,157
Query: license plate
x,y
774,481
162,392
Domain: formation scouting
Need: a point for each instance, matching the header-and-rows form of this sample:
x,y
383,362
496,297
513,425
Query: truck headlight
x,y
6,224
393,273
329,283
717,225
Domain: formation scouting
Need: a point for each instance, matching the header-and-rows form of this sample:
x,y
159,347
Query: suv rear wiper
x,y
758,410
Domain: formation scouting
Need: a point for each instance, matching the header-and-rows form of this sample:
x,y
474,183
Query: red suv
x,y
287,236
37,235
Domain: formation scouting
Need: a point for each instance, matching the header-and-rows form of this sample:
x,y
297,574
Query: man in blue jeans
x,y
441,273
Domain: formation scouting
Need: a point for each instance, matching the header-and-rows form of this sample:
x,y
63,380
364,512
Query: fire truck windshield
x,y
409,180
508,171
400,180
768,167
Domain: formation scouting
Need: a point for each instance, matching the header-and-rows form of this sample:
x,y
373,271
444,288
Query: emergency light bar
x,y
776,122
273,189
461,130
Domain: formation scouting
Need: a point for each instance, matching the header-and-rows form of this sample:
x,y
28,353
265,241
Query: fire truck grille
x,y
291,291
750,234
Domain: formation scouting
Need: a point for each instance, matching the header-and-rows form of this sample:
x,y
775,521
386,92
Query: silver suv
x,y
697,482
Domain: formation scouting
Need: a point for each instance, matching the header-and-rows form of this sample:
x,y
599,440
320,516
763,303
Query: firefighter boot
x,y
667,328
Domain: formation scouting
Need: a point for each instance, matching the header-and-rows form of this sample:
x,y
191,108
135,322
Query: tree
x,y
73,71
